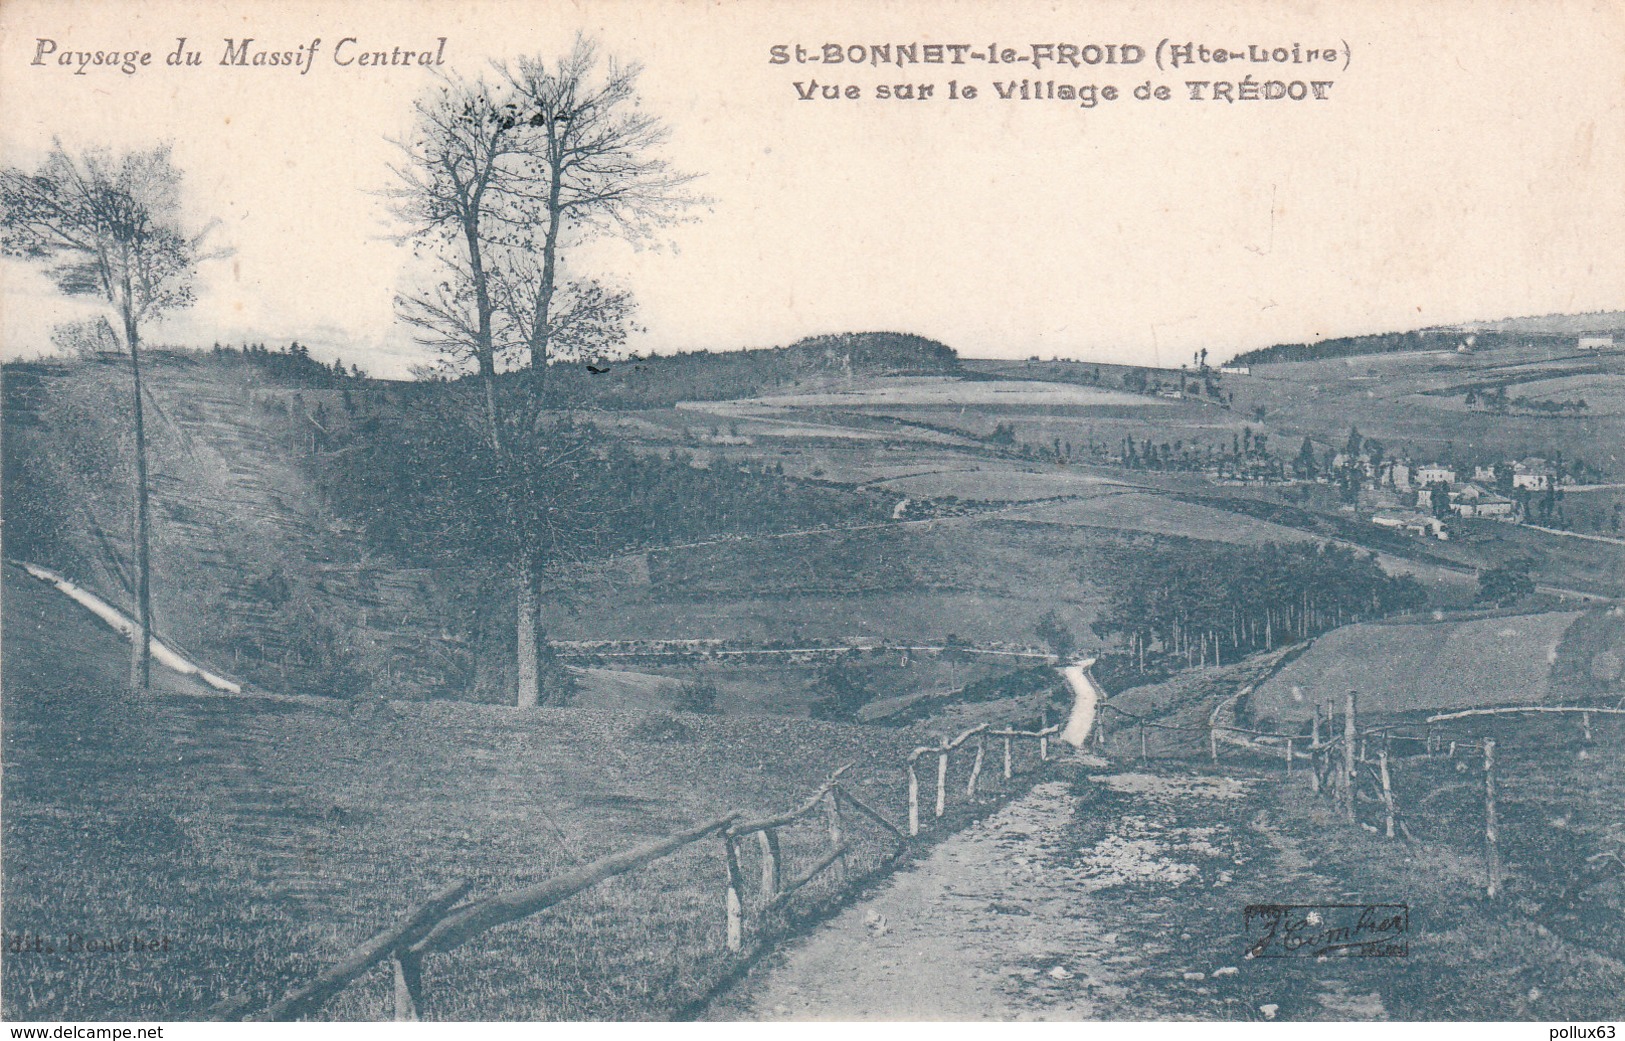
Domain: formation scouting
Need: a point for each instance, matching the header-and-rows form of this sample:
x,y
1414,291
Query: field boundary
x,y
1358,765
446,920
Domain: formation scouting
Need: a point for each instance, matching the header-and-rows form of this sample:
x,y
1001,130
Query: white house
x,y
1596,343
1532,475
1492,506
1411,524
1435,473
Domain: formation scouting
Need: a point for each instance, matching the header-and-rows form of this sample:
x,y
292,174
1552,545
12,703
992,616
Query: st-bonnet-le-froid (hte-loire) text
x,y
349,52
1166,54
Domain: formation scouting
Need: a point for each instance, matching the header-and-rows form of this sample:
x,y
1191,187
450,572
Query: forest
x,y
1207,603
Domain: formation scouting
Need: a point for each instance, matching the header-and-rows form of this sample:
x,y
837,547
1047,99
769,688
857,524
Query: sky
x,y
1466,164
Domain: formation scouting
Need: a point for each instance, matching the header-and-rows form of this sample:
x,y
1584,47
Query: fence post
x,y
1043,743
1314,769
768,839
1289,757
1492,851
942,779
1213,742
1452,754
1144,757
976,769
832,813
1007,757
1350,734
913,800
1387,795
1585,721
735,908
1314,732
408,985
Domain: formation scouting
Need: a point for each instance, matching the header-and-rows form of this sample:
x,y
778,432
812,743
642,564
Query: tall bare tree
x,y
460,163
112,228
593,165
501,180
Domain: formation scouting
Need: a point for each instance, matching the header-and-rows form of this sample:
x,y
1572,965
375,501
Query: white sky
x,y
1468,166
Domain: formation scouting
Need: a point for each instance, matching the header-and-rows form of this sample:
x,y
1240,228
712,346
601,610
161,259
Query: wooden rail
x,y
463,925
391,942
1583,710
946,747
444,922
746,827
775,889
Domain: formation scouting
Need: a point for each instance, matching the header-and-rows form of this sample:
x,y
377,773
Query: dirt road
x,y
1104,894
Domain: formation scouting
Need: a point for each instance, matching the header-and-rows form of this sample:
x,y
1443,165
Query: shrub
x,y
661,729
697,695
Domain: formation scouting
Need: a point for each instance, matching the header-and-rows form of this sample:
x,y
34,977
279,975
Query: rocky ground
x,y
1118,893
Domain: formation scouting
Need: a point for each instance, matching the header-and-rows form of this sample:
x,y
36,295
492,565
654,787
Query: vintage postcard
x,y
795,511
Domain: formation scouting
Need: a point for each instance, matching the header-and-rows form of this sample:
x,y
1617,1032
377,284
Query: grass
x,y
1528,954
1402,400
945,392
993,482
1467,958
1409,666
265,838
1161,515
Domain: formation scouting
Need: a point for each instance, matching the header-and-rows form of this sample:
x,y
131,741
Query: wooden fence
x,y
447,920
1358,765
945,750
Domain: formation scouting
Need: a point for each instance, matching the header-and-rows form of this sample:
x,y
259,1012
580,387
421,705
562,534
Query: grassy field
x,y
266,837
1411,402
954,393
1403,667
255,572
993,482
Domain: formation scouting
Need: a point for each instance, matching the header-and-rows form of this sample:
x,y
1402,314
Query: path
x,y
1104,894
161,652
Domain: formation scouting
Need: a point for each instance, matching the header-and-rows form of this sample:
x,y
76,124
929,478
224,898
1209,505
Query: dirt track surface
x,y
1107,894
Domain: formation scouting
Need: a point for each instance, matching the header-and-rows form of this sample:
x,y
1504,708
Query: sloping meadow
x,y
240,845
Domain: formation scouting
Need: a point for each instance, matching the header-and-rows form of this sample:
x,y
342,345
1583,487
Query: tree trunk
x,y
141,644
528,615
541,332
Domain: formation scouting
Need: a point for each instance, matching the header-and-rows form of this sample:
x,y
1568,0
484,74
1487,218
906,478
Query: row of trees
x,y
1209,603
1495,399
292,366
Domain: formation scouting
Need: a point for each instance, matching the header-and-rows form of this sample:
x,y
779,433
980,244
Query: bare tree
x,y
112,228
592,165
500,180
458,163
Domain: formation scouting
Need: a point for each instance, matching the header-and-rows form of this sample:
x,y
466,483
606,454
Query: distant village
x,y
1394,492
1419,499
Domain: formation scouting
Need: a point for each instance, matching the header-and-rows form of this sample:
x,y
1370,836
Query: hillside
x,y
1410,667
267,837
925,508
1548,330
